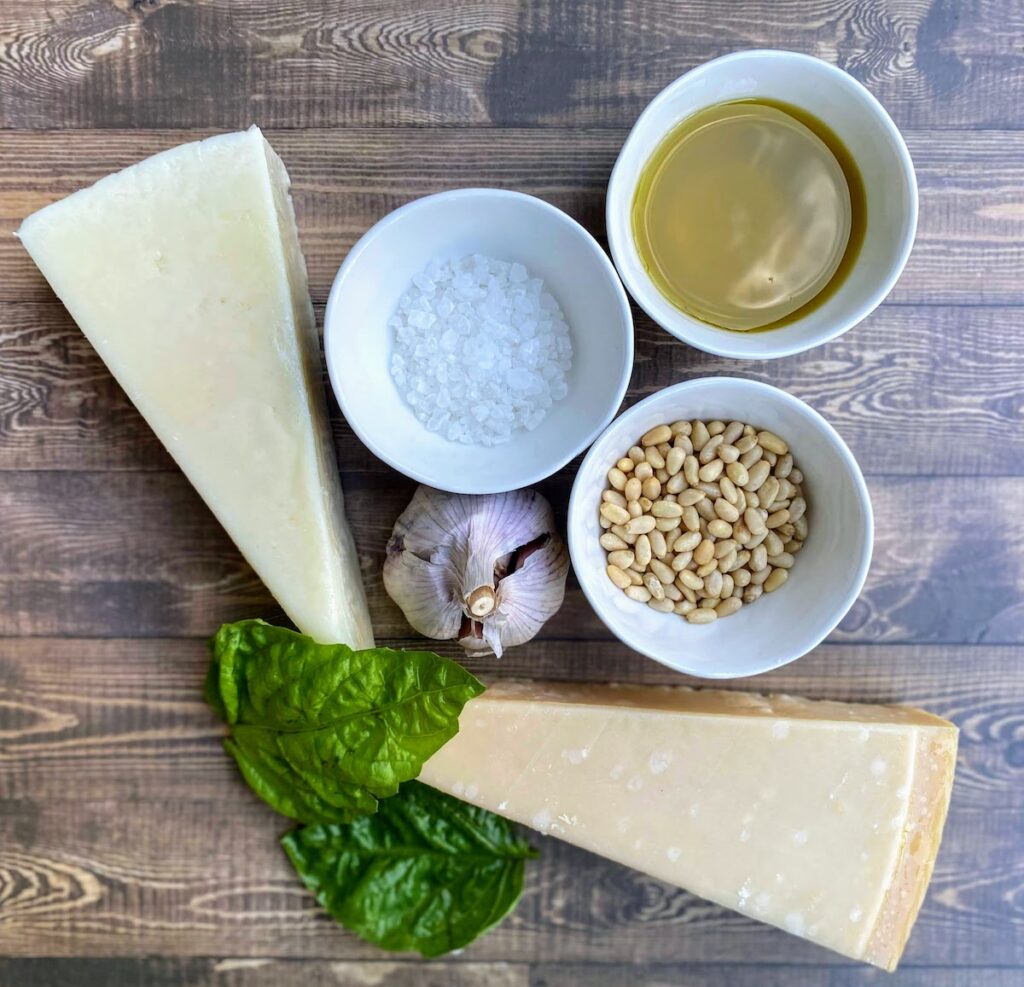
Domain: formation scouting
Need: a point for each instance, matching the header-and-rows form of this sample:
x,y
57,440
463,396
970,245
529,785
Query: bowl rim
x,y
466,485
863,497
733,344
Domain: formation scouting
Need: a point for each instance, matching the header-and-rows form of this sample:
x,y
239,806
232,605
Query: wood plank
x,y
296,63
109,878
762,975
969,248
124,720
904,391
138,554
242,972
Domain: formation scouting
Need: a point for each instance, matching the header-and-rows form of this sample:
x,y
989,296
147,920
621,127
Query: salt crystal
x,y
484,347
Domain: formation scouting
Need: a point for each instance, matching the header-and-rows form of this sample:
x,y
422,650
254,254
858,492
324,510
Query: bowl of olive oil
x,y
763,203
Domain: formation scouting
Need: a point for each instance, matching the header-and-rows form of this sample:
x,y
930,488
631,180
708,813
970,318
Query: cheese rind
x,y
821,818
185,273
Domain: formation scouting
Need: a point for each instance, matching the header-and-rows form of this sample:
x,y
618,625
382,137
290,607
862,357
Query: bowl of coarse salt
x,y
477,340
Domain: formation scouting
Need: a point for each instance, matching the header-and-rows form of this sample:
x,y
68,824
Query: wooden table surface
x,y
130,850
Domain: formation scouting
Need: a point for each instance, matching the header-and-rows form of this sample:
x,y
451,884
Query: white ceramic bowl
x,y
829,570
513,227
862,124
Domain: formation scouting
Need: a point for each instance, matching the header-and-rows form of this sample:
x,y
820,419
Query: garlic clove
x,y
424,591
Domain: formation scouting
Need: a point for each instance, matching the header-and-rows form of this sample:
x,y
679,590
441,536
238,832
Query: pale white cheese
x,y
185,273
821,818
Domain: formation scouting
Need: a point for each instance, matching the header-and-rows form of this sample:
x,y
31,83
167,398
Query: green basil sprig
x,y
426,873
321,732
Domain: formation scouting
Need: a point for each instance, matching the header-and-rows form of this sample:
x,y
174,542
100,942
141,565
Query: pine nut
x,y
728,607
659,548
707,451
701,616
657,435
751,456
726,511
617,576
640,525
712,509
639,593
720,528
662,508
712,471
615,514
771,442
689,580
768,492
732,432
655,458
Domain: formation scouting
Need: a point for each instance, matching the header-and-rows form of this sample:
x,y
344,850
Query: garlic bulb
x,y
487,571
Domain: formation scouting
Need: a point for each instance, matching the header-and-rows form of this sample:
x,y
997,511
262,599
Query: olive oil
x,y
749,214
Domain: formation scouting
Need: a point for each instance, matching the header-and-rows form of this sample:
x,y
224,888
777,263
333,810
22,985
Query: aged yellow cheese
x,y
821,818
185,273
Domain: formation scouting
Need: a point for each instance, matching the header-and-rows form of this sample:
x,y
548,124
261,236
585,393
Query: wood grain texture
x,y
917,408
296,63
120,720
233,971
138,554
160,876
969,249
130,850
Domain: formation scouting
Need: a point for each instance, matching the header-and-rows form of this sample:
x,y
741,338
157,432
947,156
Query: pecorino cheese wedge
x,y
822,818
185,273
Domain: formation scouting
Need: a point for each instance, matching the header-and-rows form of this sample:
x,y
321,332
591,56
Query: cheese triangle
x,y
185,273
822,818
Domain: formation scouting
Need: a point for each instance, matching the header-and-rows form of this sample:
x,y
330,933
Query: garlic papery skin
x,y
487,571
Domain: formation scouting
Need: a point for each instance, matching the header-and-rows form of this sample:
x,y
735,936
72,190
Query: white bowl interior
x,y
861,124
829,570
509,226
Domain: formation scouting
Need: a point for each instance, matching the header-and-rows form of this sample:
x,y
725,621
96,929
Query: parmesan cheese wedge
x,y
822,818
185,273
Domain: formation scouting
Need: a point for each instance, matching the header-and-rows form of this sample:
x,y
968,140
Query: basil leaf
x,y
320,731
426,873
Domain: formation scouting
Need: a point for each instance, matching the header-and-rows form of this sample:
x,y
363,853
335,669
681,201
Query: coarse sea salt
x,y
480,349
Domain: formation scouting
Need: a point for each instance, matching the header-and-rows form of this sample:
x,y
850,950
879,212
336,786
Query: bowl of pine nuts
x,y
721,527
